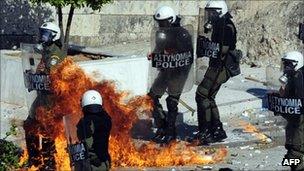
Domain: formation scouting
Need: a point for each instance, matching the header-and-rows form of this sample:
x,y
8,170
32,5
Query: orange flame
x,y
249,128
69,82
24,157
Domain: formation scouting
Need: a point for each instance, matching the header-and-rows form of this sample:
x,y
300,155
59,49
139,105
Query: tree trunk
x,y
67,31
60,21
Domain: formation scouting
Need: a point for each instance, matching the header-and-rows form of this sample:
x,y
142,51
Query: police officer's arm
x,y
105,135
228,40
161,39
157,46
84,132
55,57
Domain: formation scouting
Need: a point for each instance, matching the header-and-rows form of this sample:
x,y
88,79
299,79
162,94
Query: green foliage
x,y
10,153
9,156
13,131
94,4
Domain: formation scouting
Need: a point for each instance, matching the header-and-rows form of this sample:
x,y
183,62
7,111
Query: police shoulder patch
x,y
54,60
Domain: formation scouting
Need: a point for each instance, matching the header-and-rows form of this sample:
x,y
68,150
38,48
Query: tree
x,y
59,4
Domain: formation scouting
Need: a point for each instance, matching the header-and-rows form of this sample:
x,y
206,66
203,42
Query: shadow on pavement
x,y
260,93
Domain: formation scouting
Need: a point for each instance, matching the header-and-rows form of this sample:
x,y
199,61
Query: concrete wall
x,y
12,85
125,21
130,74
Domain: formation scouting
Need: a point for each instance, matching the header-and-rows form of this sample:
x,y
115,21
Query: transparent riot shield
x,y
285,94
301,32
76,133
273,74
34,79
205,45
201,68
171,66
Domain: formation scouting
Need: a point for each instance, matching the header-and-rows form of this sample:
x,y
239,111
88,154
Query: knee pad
x,y
172,102
200,98
153,96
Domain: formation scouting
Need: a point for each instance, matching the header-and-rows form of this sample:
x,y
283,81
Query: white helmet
x,y
55,30
219,5
165,13
91,97
295,57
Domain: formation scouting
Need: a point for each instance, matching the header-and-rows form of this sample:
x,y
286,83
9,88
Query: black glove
x,y
207,27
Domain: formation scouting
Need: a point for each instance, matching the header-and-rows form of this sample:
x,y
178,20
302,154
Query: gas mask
x,y
38,48
211,17
288,67
45,39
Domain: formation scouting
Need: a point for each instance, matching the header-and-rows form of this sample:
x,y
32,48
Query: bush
x,y
9,156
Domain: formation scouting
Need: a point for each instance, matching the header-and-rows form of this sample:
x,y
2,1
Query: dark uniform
x,y
171,80
94,129
295,124
51,56
210,126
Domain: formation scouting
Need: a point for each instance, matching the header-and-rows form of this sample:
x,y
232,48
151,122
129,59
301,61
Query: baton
x,y
256,80
185,105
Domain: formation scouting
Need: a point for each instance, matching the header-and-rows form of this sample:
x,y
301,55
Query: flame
x,y
249,128
61,155
24,157
69,82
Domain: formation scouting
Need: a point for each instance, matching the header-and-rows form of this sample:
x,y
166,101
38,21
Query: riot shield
x,y
171,66
301,32
207,46
285,94
75,133
273,74
34,80
201,68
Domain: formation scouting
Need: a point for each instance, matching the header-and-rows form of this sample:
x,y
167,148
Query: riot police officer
x,y
94,129
222,32
50,48
170,38
293,87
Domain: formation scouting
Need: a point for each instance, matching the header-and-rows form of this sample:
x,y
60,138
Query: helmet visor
x,y
212,15
288,65
164,22
46,35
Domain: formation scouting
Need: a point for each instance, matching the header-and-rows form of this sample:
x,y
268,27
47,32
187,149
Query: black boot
x,y
170,135
159,118
159,135
204,136
172,102
219,133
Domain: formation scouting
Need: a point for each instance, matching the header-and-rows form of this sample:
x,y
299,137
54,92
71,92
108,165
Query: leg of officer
x,y
204,109
157,90
295,140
